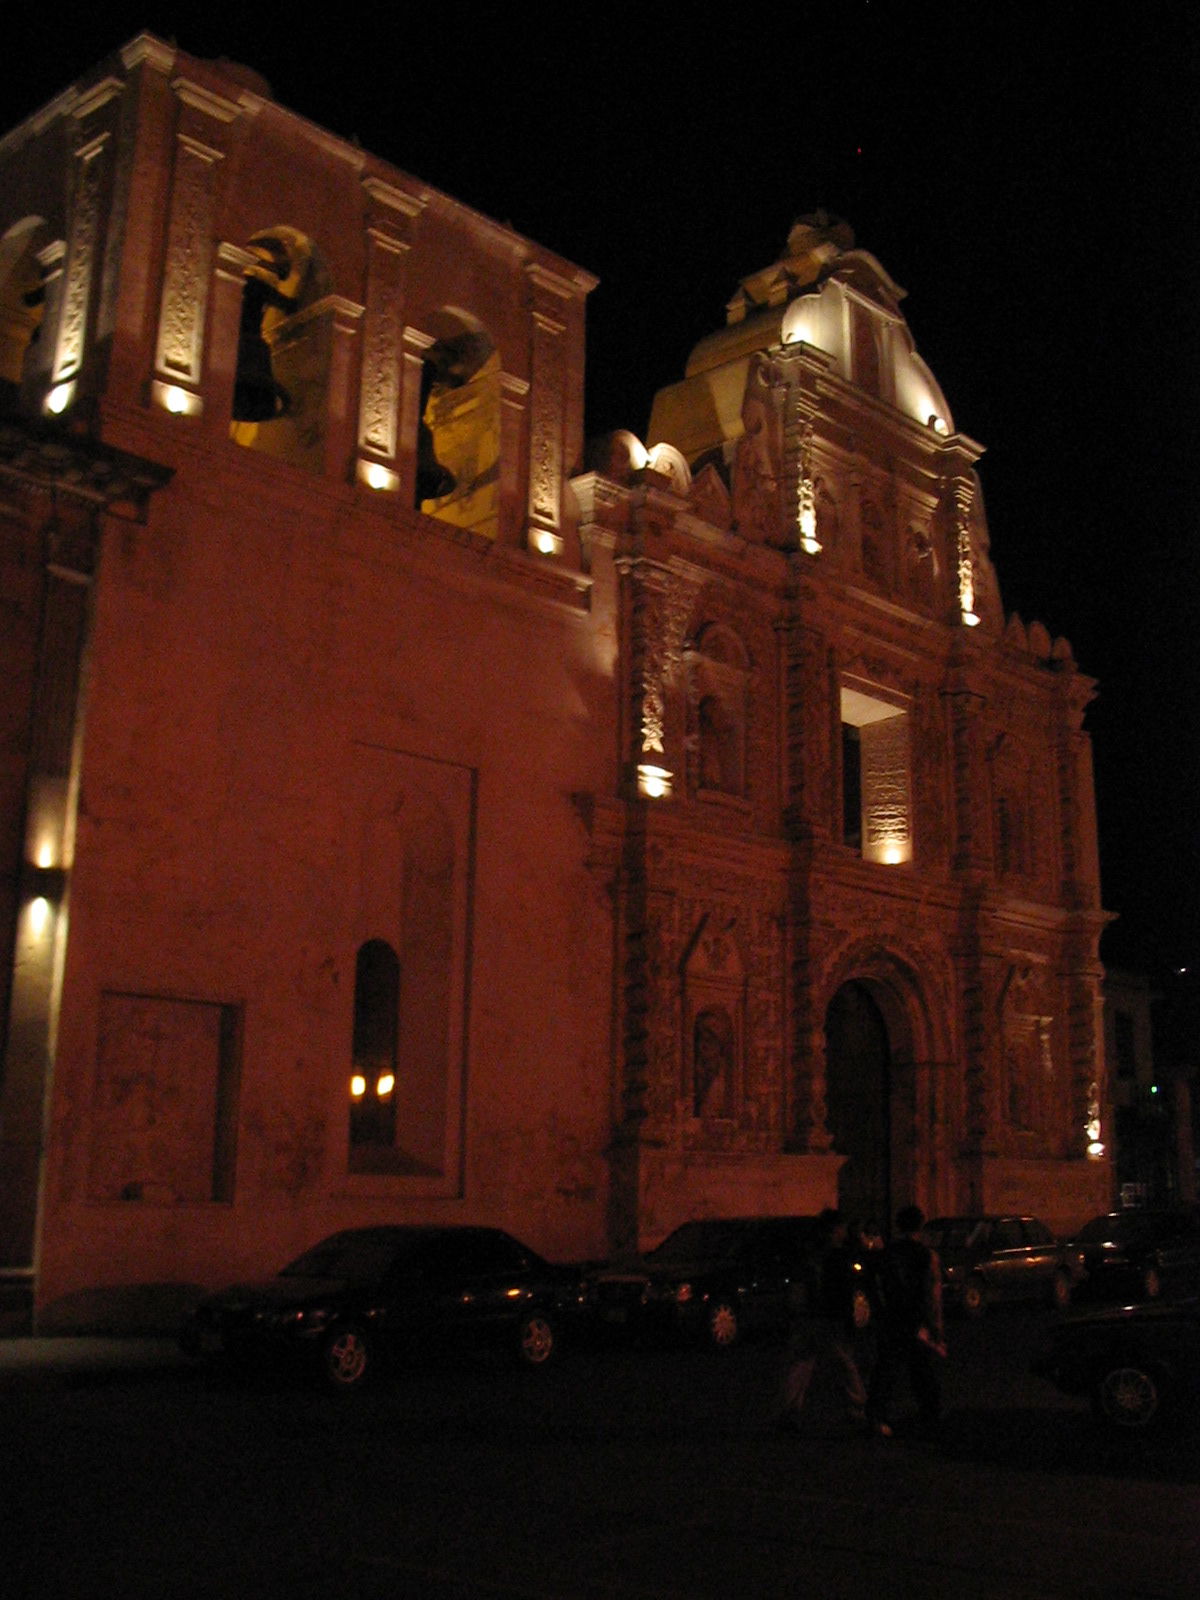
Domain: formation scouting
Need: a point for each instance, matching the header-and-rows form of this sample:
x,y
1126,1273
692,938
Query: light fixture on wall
x,y
176,400
376,476
654,783
545,542
59,398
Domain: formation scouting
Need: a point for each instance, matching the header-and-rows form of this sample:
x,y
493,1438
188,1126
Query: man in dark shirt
x,y
825,1328
909,1326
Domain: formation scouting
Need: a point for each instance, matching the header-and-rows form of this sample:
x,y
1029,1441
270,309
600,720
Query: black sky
x,y
1028,173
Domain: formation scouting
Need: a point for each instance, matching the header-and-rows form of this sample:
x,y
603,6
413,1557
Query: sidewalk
x,y
35,1356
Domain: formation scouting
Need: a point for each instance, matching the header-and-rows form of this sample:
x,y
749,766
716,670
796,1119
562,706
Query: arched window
x,y
458,439
280,388
373,1075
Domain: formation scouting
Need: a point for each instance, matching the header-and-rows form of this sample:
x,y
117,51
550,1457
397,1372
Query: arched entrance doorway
x,y
858,1066
868,1061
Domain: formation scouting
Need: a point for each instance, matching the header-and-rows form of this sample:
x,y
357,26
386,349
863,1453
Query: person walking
x,y
824,1330
910,1330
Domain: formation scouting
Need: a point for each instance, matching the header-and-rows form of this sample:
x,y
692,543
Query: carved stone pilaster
x,y
91,195
809,1108
391,223
808,803
661,601
187,271
549,295
972,845
514,400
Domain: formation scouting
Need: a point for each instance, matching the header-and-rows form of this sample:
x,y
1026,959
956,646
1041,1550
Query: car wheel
x,y
1151,1282
974,1297
1060,1291
1129,1396
345,1358
723,1325
537,1342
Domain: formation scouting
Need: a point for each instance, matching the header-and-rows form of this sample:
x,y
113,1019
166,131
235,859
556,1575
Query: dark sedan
x,y
716,1279
1139,1365
1140,1253
369,1294
986,1259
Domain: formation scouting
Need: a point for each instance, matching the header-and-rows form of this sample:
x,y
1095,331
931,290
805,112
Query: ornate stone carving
x,y
189,261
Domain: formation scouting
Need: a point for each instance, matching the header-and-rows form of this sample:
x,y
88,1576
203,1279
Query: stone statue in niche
x,y
757,460
712,1062
713,731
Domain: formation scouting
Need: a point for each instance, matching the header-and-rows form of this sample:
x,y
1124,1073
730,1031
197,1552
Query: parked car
x,y
367,1295
991,1258
1140,1253
1138,1365
717,1279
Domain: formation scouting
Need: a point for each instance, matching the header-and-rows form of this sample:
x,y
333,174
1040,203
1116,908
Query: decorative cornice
x,y
42,457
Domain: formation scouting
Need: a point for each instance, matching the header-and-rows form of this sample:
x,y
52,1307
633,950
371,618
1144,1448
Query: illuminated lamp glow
x,y
59,398
385,1085
39,916
809,542
639,456
178,401
546,543
938,424
44,859
376,476
358,1086
1095,1150
892,852
970,619
654,782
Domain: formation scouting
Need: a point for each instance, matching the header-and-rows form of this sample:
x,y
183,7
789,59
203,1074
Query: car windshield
x,y
700,1241
955,1233
359,1255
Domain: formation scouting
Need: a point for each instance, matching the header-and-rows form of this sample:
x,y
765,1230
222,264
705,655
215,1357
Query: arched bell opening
x,y
458,434
22,306
280,390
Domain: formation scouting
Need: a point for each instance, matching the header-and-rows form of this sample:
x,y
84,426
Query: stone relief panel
x,y
715,987
1027,1077
81,258
164,1100
189,261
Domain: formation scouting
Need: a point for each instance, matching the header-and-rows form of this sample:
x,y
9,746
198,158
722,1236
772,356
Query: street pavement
x,y
617,1475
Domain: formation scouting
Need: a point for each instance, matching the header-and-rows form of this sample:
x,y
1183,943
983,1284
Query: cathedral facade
x,y
410,812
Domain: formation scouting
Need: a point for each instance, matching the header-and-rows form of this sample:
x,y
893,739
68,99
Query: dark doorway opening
x,y
858,1058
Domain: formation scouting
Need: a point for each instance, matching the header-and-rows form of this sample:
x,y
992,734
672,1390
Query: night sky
x,y
1028,173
